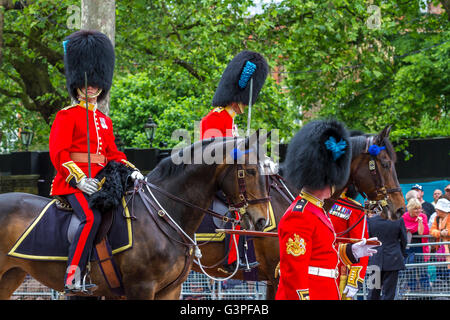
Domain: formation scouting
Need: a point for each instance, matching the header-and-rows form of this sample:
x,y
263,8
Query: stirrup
x,y
83,287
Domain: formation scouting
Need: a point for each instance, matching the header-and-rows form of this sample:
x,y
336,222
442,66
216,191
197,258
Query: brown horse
x,y
161,257
380,185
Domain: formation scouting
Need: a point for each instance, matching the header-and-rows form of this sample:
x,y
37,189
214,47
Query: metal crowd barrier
x,y
196,287
199,287
426,275
31,289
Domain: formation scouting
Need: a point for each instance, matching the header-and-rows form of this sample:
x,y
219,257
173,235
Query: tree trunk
x,y
100,15
446,5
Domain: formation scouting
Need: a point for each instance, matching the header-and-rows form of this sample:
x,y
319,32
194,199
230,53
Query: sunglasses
x,y
447,190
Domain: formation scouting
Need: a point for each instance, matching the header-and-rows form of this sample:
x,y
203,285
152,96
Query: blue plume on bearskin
x,y
116,184
233,86
92,52
319,155
246,74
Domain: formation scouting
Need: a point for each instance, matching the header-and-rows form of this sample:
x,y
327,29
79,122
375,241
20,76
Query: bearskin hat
x,y
319,155
234,86
92,52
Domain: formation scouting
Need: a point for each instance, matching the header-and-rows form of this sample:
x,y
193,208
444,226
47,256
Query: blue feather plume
x,y
246,74
336,148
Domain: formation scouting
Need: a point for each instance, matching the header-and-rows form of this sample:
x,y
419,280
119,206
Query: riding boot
x,y
80,249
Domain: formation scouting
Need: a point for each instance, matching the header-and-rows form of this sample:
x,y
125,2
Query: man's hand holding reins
x,y
137,175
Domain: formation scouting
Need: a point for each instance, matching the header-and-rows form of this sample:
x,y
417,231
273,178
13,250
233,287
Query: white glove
x,y
88,185
137,175
361,249
350,291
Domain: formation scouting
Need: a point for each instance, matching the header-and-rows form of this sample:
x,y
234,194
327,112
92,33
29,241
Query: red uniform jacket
x,y
344,217
218,123
69,134
307,237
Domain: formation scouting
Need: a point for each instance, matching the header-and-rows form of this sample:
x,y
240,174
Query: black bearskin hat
x,y
319,155
92,52
234,86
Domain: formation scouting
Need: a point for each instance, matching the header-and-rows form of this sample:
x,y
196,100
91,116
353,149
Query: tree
x,y
342,63
100,15
32,70
335,58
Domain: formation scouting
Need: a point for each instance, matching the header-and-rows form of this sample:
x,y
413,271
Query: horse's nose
x,y
260,224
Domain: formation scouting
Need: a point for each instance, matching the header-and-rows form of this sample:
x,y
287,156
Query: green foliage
x,y
367,77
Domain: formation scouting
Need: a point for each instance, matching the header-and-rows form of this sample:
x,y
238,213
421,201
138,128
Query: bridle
x,y
381,193
240,207
244,202
155,209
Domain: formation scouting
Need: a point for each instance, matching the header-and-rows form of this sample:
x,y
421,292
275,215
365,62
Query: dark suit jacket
x,y
390,255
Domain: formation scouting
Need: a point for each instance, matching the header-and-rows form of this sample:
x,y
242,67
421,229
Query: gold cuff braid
x,y
74,171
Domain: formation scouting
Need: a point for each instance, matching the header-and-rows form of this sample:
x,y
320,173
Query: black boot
x,y
88,289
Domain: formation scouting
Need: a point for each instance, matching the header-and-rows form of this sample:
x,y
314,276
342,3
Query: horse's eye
x,y
251,171
386,164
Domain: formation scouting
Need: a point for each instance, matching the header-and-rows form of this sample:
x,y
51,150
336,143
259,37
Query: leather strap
x,y
189,257
108,268
83,157
173,197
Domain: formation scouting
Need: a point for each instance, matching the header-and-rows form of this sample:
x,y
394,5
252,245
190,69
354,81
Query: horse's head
x,y
373,172
244,183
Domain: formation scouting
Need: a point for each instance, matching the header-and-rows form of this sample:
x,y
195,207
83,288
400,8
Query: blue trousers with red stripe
x,y
81,246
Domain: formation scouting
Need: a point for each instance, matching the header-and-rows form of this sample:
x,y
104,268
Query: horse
x,y
163,250
379,183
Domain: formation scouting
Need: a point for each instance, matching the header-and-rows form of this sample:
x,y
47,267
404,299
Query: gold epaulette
x,y
218,109
354,201
67,108
345,197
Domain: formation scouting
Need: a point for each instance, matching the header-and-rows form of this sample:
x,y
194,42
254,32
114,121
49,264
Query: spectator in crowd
x,y
411,194
436,195
446,195
441,231
427,207
390,256
416,224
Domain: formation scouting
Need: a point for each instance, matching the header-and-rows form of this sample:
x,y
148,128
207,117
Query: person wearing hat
x,y
245,74
446,194
91,53
317,161
427,207
441,227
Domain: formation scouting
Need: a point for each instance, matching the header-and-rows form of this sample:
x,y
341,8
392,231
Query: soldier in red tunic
x,y
347,215
317,161
245,73
91,52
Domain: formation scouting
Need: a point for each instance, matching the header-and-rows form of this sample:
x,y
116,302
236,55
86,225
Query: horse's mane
x,y
167,168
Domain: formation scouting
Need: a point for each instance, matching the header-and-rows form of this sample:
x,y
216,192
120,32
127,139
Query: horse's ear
x,y
251,140
383,134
